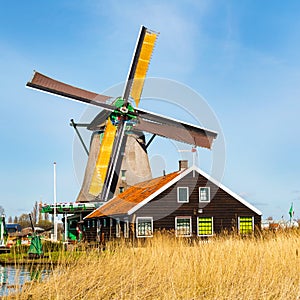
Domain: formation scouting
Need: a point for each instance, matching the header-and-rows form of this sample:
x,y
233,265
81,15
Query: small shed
x,y
188,202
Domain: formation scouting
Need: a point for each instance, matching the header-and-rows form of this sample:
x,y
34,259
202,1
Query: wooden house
x,y
188,202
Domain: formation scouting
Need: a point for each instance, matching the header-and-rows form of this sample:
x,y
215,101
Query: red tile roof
x,y
125,201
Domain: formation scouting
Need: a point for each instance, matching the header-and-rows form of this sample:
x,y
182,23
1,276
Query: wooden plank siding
x,y
224,208
164,208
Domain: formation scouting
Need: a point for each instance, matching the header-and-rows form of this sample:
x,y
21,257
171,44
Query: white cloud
x,y
179,27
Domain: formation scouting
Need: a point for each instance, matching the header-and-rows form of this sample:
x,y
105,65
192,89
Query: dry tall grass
x,y
169,268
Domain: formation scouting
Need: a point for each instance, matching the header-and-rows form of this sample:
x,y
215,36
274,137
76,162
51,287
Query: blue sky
x,y
243,57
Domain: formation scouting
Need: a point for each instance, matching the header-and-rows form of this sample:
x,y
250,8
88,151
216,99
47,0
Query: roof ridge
x,y
138,195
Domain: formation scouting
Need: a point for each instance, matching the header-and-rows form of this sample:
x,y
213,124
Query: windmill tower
x,y
135,166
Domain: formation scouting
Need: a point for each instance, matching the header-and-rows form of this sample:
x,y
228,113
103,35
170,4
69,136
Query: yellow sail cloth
x,y
102,162
142,66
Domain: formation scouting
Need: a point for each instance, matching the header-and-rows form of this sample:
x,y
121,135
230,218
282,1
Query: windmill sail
x,y
142,66
102,162
105,157
134,86
50,85
174,129
167,127
139,65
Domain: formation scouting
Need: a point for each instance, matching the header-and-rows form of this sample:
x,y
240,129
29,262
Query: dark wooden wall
x,y
224,208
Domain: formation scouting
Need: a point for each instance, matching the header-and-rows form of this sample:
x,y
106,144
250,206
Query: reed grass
x,y
164,267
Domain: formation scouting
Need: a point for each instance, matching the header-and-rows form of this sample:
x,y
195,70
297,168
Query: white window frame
x,y
246,217
98,226
123,174
126,228
137,227
208,189
118,228
187,193
176,227
212,227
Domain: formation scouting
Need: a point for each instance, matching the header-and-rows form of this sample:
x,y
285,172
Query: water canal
x,y
12,276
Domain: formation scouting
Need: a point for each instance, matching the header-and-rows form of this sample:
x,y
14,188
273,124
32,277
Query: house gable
x,y
139,195
224,208
215,186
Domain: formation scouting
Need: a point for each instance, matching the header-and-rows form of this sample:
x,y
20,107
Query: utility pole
x,y
66,227
54,200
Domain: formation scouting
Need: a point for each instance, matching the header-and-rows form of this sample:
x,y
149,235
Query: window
x,y
245,225
182,194
205,226
98,237
126,228
183,226
121,189
117,227
204,194
123,174
144,226
98,225
73,224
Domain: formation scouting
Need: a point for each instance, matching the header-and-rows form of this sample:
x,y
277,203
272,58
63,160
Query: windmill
x,y
120,117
